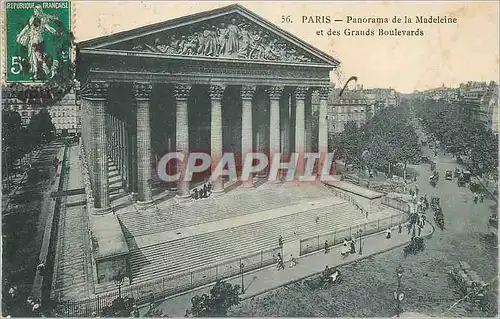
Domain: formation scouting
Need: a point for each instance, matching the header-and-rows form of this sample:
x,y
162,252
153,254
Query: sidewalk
x,y
489,186
269,278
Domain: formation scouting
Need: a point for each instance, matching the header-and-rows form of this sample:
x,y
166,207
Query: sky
x,y
446,54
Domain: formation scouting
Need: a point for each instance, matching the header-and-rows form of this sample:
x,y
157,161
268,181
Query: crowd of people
x,y
202,192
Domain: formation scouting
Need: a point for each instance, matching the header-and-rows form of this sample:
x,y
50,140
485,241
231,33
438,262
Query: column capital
x,y
274,92
301,92
216,91
142,90
181,91
247,92
323,92
97,90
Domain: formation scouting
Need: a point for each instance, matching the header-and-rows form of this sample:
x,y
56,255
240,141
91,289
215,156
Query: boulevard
x,y
220,160
367,286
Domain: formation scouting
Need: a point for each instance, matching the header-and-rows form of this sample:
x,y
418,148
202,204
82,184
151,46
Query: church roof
x,y
284,46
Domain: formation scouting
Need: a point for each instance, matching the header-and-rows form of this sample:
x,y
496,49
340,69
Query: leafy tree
x,y
41,129
13,138
223,296
350,143
378,153
461,132
407,148
120,307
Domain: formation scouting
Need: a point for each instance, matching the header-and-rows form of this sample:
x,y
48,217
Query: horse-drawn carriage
x,y
438,212
416,244
439,218
434,178
434,202
468,281
463,178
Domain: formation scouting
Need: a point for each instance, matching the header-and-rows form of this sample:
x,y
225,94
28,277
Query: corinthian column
x,y
181,94
274,93
300,95
247,93
216,93
97,95
142,93
323,126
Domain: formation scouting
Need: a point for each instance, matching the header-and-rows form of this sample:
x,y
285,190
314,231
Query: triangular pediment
x,y
230,32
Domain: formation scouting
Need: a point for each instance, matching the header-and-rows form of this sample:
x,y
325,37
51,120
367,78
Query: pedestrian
x,y
13,292
388,233
196,193
481,197
353,247
293,262
279,262
326,246
41,267
400,229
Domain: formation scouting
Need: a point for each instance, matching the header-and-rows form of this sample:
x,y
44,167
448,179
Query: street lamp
x,y
398,294
360,247
118,279
242,284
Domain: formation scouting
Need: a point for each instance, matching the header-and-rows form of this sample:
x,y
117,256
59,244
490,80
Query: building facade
x,y
481,99
65,115
351,106
220,81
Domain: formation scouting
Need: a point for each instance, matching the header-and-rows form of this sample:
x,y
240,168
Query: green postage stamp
x,y
37,39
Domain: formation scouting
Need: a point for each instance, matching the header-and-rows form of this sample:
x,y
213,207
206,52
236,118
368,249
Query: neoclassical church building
x,y
219,81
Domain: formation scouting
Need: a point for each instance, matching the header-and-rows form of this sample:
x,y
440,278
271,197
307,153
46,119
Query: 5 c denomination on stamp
x,y
37,40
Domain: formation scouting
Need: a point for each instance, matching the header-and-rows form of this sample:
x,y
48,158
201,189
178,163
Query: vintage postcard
x,y
250,159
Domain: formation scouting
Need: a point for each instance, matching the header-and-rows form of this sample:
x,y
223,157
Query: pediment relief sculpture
x,y
232,37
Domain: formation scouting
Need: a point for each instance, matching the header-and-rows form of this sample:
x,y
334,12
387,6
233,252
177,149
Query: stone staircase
x,y
117,195
153,262
172,214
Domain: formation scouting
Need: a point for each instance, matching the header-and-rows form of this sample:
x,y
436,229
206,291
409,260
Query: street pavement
x,y
263,280
426,283
428,287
